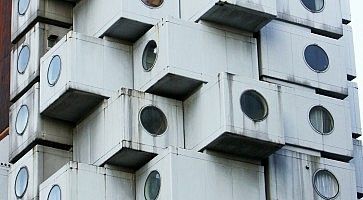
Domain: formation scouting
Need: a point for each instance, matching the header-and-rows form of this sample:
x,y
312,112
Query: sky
x,y
357,25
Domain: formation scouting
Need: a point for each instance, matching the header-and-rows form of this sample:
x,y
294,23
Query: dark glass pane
x,y
321,119
149,55
153,3
316,58
153,120
152,186
254,105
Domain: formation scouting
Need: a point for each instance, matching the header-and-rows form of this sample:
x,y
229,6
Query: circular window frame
x,y
264,101
60,71
27,120
27,182
156,58
312,126
17,61
147,178
55,185
166,118
27,7
151,7
316,189
313,11
306,62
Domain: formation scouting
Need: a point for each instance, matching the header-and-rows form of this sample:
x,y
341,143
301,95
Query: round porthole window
x,y
23,6
55,193
153,3
21,182
254,105
153,120
313,5
23,59
326,184
321,120
316,58
152,186
54,70
21,121
149,55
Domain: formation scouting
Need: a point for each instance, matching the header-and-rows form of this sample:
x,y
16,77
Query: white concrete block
x,y
4,170
26,54
235,115
129,130
79,72
353,100
250,15
357,161
182,174
175,57
76,181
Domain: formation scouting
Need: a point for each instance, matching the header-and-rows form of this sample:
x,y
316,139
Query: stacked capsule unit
x,y
171,100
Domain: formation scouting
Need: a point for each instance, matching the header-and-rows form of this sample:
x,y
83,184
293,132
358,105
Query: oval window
x,y
153,3
326,184
21,120
316,58
23,6
254,105
149,55
321,120
55,193
313,5
152,186
23,59
54,70
153,120
21,182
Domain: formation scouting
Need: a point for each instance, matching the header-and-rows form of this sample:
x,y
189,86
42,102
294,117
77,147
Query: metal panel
x,y
291,175
4,170
327,21
114,134
92,69
226,128
189,54
39,129
253,13
38,39
74,181
299,131
41,162
281,40
357,161
126,19
49,11
191,175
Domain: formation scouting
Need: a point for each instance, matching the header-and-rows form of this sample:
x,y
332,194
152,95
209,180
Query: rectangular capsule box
x,y
4,146
32,169
244,117
181,174
26,54
79,72
323,123
129,130
4,170
76,181
127,19
175,57
348,52
26,13
353,100
250,15
357,161
321,16
309,59
28,128
300,174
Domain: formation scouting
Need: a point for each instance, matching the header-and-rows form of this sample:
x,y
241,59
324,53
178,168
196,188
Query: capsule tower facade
x,y
181,99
